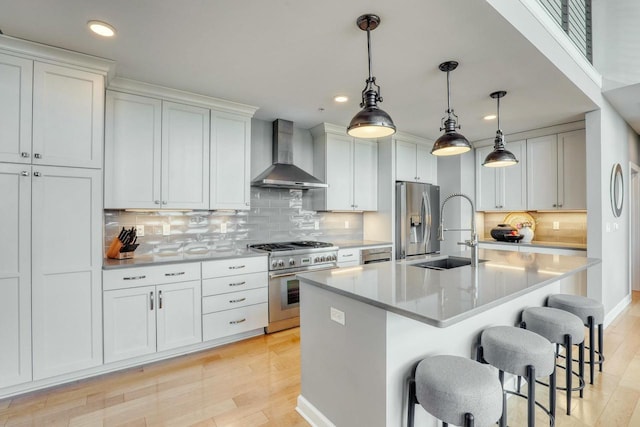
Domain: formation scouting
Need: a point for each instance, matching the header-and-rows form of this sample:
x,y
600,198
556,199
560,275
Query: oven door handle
x,y
275,276
278,275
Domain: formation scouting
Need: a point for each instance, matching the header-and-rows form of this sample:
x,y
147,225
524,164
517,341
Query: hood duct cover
x,y
283,173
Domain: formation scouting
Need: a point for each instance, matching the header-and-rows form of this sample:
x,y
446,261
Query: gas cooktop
x,y
290,246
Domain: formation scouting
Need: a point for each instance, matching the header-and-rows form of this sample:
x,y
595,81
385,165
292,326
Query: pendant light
x,y
371,121
499,157
451,143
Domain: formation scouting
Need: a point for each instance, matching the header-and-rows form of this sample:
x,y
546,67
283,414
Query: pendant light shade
x,y
371,121
500,156
451,143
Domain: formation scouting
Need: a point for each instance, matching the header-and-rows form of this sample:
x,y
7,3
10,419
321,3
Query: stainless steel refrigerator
x,y
417,219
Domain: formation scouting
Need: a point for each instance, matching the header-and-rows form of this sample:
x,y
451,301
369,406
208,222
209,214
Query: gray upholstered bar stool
x,y
591,312
566,329
523,353
455,390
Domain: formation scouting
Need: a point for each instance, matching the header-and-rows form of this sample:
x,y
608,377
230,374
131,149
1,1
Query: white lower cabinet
x,y
349,257
143,315
234,296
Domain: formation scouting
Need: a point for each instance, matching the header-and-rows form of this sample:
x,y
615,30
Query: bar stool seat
x,y
559,327
456,390
591,312
519,352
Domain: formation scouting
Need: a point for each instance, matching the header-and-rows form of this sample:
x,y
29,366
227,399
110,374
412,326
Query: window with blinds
x,y
574,17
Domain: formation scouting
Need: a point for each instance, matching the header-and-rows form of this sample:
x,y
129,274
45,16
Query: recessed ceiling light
x,y
101,28
490,117
341,98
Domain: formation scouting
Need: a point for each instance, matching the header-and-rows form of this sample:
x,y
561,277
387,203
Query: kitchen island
x,y
364,328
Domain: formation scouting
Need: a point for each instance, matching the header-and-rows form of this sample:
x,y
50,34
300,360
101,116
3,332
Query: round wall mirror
x,y
617,190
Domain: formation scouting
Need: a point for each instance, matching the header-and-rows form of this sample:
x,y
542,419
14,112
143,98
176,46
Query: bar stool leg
x,y
447,424
568,373
581,367
600,343
552,392
503,418
592,352
468,420
531,396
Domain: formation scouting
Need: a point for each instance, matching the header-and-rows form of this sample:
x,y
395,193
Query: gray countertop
x,y
148,260
443,298
540,244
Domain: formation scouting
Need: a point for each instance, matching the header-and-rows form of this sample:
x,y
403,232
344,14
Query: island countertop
x,y
444,297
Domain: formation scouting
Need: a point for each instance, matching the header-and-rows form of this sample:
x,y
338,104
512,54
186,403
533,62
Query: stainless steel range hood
x,y
283,173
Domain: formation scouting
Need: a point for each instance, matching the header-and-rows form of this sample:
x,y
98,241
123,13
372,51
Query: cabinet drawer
x,y
241,282
348,255
234,300
143,276
230,322
231,267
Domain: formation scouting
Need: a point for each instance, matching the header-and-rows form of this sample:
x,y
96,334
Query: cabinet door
x,y
15,274
67,256
132,151
572,172
339,163
179,314
129,323
230,161
185,156
16,79
426,165
542,177
486,182
405,161
513,194
68,116
365,175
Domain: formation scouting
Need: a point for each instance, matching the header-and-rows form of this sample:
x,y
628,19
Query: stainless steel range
x,y
285,260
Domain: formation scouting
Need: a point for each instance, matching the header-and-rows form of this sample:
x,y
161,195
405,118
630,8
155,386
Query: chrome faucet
x,y
473,242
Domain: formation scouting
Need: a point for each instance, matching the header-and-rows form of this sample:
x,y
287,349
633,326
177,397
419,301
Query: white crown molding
x,y
135,87
534,133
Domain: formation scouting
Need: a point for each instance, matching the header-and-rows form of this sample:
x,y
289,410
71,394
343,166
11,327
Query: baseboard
x,y
615,312
311,414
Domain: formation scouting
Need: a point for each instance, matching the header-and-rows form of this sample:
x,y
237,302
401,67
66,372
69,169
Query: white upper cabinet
x,y
67,251
230,161
15,274
68,116
502,188
556,172
16,76
349,166
156,154
414,161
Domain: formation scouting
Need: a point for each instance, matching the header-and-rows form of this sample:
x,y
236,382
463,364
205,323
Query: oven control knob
x,y
323,258
333,257
292,261
274,263
316,259
280,263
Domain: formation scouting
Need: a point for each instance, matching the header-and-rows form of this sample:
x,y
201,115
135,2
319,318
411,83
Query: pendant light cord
x,y
369,46
448,96
499,116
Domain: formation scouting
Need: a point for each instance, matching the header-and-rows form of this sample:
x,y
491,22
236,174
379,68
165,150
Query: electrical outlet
x,y
316,225
140,230
556,225
337,316
166,229
346,224
223,228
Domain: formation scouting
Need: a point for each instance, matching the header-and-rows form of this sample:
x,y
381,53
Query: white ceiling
x,y
290,57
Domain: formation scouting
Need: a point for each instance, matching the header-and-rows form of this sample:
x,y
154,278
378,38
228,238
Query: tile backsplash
x,y
572,226
275,215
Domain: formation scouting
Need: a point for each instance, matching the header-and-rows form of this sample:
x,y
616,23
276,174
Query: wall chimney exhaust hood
x,y
283,173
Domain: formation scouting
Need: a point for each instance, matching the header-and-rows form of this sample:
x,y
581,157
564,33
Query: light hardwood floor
x,y
256,383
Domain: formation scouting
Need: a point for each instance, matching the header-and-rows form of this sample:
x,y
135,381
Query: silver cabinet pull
x,y
157,202
346,255
236,267
164,202
24,154
237,284
37,174
560,205
151,299
24,173
233,301
179,273
235,322
555,206
37,155
134,277
160,299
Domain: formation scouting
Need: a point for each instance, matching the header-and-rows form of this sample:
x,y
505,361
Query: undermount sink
x,y
445,263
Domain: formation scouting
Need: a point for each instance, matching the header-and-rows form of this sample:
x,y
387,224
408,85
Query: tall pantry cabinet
x,y
51,139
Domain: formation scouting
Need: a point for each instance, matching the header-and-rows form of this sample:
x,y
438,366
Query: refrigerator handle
x,y
404,233
426,221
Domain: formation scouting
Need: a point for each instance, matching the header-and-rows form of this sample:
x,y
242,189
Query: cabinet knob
x,y
164,202
24,154
157,202
555,206
37,155
24,173
560,205
37,174
247,204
